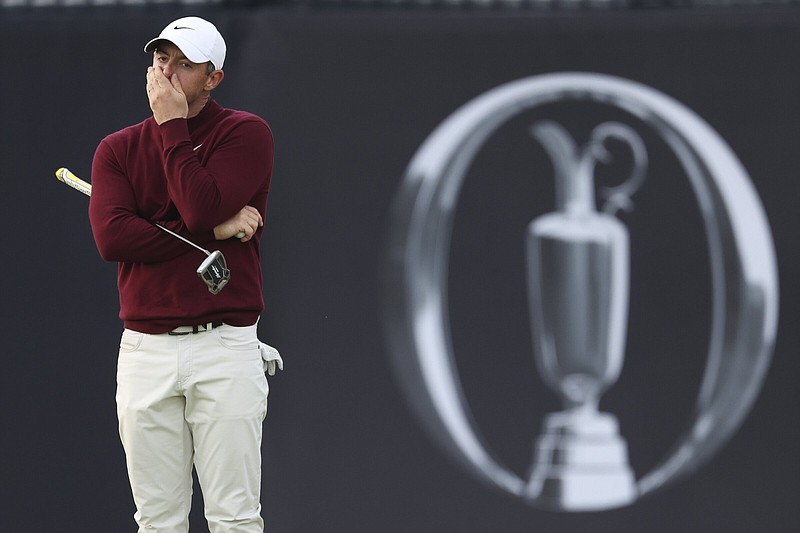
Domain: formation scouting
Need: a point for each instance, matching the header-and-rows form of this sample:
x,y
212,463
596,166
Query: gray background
x,y
351,95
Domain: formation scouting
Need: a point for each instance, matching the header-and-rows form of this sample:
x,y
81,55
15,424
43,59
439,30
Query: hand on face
x,y
166,96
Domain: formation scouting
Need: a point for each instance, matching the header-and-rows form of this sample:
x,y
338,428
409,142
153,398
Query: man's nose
x,y
167,69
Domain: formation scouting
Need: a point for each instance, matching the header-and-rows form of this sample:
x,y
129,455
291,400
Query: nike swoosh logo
x,y
196,147
182,28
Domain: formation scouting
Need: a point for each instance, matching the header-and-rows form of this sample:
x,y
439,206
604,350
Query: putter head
x,y
214,272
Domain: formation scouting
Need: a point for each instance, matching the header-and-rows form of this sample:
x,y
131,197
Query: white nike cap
x,y
197,38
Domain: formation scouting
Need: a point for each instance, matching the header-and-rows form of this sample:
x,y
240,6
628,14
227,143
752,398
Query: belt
x,y
186,330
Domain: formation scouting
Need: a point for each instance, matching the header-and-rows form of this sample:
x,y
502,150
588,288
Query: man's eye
x,y
186,65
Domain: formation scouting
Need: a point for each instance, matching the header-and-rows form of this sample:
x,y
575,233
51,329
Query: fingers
x,y
153,76
155,84
175,83
150,82
156,79
255,212
157,76
166,97
243,225
250,220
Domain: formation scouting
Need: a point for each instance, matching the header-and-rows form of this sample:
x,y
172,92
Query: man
x,y
191,384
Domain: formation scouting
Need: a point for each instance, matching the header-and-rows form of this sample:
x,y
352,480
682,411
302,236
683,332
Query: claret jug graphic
x,y
577,262
578,293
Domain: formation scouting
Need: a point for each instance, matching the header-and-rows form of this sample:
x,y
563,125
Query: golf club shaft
x,y
66,176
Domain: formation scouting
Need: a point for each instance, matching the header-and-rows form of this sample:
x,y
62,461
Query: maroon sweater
x,y
189,176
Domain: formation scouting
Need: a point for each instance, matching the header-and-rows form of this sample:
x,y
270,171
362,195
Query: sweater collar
x,y
207,114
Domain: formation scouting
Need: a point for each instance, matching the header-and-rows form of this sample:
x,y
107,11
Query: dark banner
x,y
352,97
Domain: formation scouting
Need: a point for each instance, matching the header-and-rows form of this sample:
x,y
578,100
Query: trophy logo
x,y
578,294
577,264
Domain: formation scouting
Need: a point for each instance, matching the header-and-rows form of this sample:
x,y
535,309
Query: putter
x,y
213,271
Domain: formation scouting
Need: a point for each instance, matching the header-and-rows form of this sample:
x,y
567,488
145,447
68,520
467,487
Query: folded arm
x,y
210,194
120,232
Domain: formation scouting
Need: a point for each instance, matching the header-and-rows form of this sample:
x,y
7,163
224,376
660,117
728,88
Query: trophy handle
x,y
744,272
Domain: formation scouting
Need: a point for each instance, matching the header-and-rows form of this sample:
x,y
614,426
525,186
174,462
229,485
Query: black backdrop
x,y
350,97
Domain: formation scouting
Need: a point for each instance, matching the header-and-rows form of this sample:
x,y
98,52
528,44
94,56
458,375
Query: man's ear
x,y
214,79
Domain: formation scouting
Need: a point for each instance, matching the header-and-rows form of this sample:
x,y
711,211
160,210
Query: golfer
x,y
191,383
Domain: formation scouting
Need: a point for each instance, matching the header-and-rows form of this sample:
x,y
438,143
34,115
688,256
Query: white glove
x,y
271,357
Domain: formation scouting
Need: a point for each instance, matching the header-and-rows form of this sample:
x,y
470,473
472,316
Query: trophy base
x,y
581,463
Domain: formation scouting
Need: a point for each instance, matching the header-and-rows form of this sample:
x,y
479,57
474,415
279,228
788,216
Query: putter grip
x,y
65,176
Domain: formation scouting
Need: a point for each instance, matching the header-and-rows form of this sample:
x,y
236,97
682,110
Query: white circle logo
x,y
577,264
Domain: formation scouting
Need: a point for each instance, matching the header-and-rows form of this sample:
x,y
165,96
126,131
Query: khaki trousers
x,y
193,400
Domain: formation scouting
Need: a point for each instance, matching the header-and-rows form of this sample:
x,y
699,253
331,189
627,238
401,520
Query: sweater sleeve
x,y
120,233
209,193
